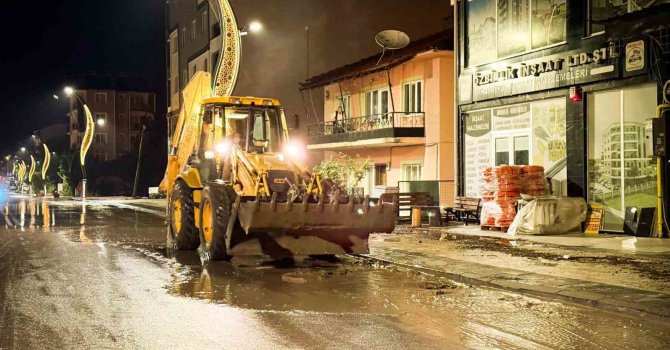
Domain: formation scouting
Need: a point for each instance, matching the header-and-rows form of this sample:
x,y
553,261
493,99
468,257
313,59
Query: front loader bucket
x,y
287,229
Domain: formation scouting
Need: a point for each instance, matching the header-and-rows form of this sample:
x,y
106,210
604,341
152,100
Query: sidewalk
x,y
618,273
587,270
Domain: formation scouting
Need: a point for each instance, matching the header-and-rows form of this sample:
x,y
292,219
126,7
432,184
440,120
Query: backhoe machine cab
x,y
244,191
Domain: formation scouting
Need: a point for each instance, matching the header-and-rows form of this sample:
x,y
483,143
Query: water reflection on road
x,y
122,270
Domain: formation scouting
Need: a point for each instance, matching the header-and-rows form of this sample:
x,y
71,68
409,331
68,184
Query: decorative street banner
x,y
47,161
32,169
477,150
88,135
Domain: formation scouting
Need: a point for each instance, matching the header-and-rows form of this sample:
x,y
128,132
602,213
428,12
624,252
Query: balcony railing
x,y
391,120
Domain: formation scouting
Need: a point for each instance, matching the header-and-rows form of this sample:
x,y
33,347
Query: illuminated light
x,y
267,102
281,157
255,27
101,122
55,97
373,204
209,155
68,91
360,211
223,147
294,151
23,149
235,101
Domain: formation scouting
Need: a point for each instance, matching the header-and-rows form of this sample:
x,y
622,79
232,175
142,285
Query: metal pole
x,y
307,46
139,162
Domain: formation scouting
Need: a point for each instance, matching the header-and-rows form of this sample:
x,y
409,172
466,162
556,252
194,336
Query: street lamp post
x,y
86,140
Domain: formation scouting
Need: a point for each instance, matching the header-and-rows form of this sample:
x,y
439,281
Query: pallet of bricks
x,y
502,189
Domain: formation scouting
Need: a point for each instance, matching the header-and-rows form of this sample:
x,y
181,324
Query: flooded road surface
x,y
100,278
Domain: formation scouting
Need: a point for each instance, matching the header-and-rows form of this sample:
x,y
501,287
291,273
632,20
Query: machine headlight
x,y
294,151
223,147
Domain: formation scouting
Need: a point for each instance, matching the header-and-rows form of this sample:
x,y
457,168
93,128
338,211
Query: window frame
x,y
100,97
369,101
412,98
404,166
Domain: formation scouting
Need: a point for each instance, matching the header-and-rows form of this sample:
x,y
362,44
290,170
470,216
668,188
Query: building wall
x,y
436,154
124,112
614,89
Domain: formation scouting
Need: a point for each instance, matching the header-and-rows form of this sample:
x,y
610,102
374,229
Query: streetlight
x,y
23,149
86,140
253,27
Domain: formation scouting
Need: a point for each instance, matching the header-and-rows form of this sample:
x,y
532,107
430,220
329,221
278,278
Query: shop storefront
x,y
537,87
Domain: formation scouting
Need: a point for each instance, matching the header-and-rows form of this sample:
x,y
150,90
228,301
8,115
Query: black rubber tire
x,y
222,198
188,238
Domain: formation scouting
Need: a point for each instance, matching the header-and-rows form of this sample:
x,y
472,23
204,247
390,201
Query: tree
x,y
345,171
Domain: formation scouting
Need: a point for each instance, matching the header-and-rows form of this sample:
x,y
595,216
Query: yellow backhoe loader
x,y
236,185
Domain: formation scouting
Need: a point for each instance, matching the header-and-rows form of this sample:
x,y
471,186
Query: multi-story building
x,y
118,116
571,85
397,111
193,43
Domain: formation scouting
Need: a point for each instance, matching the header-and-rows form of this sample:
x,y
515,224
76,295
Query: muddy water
x,y
100,277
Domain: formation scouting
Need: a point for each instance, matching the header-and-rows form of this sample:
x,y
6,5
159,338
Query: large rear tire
x,y
183,233
215,210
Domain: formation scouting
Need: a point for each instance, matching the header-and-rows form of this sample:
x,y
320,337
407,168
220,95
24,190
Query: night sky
x,y
49,44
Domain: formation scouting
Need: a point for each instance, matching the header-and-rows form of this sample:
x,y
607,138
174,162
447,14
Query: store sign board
x,y
635,60
477,150
569,68
512,117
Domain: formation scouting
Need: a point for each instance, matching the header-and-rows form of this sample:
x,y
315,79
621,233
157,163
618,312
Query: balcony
x,y
368,131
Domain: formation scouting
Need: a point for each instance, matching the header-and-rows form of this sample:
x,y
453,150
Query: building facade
x,y
119,117
193,45
571,85
397,112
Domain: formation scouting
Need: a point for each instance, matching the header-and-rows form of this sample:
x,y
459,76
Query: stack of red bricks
x,y
502,189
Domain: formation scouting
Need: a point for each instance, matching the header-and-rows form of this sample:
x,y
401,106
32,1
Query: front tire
x,y
215,211
183,233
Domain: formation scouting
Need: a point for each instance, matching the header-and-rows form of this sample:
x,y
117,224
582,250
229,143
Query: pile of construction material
x,y
502,189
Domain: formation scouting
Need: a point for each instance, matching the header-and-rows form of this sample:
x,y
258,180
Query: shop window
x,y
412,97
521,150
411,172
621,177
380,175
522,134
502,151
602,10
502,28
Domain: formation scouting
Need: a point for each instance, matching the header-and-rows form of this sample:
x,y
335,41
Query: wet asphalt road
x,y
101,279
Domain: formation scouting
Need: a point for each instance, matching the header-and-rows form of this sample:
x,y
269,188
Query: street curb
x,y
601,302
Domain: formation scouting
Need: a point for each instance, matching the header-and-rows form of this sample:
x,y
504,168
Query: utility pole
x,y
307,47
139,162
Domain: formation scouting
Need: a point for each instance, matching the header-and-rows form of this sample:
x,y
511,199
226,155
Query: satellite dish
x,y
392,39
